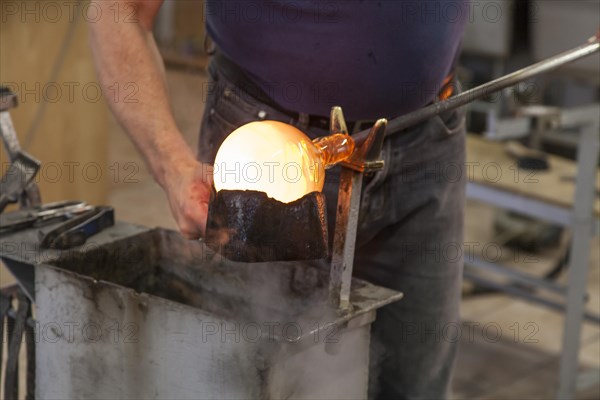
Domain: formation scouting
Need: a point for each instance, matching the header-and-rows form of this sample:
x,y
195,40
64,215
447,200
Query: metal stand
x,y
365,157
30,196
582,226
580,218
19,181
19,325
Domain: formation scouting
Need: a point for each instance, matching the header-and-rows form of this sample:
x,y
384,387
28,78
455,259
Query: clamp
x,y
366,157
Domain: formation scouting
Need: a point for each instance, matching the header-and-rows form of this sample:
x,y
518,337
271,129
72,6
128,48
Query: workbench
x,y
565,194
490,169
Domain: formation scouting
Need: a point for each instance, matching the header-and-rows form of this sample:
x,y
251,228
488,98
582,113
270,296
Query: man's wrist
x,y
170,163
170,171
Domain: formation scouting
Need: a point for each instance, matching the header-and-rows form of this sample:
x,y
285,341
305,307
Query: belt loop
x,y
303,120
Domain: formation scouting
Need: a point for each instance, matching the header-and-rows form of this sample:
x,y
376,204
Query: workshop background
x,y
512,333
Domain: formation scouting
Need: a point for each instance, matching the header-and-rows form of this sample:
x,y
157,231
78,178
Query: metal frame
x,y
31,196
20,325
580,218
587,158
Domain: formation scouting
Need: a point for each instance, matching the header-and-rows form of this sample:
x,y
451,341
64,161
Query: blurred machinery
x,y
551,114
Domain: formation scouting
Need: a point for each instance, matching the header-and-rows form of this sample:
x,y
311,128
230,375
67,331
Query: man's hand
x,y
188,187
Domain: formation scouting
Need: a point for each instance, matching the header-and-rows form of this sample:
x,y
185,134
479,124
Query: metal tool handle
x,y
38,216
76,231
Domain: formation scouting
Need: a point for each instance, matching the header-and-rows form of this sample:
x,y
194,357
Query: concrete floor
x,y
521,362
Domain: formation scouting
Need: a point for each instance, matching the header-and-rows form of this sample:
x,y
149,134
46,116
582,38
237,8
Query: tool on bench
x,y
81,221
75,231
531,159
40,216
17,185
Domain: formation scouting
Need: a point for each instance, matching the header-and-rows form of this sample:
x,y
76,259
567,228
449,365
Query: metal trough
x,y
144,313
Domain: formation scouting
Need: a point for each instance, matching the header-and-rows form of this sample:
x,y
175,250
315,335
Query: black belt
x,y
239,78
353,126
236,75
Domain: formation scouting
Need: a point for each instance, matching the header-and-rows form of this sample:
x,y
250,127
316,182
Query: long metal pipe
x,y
413,118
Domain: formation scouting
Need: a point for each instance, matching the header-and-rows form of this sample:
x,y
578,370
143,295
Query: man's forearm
x,y
125,54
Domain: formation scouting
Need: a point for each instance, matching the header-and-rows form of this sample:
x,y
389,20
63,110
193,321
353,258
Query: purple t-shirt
x,y
374,58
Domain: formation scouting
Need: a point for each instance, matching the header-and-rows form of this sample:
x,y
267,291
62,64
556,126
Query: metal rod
x,y
346,220
515,275
511,79
583,210
344,241
524,294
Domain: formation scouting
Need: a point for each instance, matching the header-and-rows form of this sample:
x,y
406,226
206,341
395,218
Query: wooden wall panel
x,y
71,138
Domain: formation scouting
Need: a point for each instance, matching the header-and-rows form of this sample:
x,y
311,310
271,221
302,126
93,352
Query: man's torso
x,y
374,58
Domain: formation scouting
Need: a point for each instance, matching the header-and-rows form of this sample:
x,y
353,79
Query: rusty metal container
x,y
144,313
249,226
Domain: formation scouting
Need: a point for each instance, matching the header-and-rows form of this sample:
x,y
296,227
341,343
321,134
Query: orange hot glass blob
x,y
334,148
278,159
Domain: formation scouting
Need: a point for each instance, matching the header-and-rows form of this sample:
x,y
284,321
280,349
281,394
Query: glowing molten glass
x,y
278,159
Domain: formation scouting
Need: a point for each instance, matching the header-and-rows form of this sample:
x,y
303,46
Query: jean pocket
x,y
381,204
449,124
411,137
215,125
224,113
221,118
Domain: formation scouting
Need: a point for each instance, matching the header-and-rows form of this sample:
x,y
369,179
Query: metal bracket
x,y
365,157
31,193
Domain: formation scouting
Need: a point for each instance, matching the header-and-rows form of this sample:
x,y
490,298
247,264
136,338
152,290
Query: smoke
x,y
304,352
277,311
308,354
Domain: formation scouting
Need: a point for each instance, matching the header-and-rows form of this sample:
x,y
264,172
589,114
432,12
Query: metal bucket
x,y
144,313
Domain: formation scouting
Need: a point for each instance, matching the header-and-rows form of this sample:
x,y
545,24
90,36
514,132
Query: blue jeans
x,y
409,239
